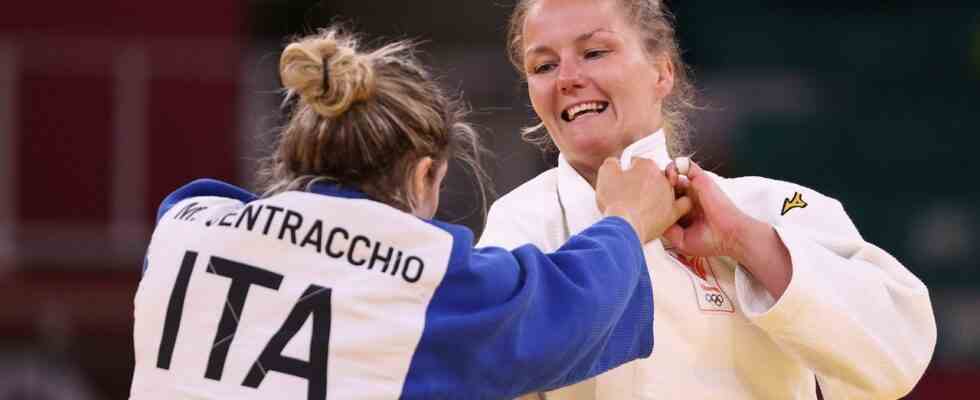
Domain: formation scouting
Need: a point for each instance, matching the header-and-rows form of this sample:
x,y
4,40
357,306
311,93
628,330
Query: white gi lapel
x,y
653,147
577,197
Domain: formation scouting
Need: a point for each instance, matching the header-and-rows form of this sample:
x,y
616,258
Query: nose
x,y
569,77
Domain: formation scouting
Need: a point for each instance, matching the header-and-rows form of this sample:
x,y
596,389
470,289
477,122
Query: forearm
x,y
761,252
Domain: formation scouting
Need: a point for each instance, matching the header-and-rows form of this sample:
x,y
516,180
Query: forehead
x,y
555,22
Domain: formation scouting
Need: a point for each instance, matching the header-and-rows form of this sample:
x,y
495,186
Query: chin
x,y
595,147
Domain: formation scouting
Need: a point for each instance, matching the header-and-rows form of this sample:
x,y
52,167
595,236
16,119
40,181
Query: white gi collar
x,y
577,197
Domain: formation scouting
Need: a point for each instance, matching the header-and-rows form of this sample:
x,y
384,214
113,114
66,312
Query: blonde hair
x,y
363,118
656,24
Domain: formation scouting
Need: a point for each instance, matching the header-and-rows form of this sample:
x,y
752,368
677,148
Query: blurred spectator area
x,y
106,106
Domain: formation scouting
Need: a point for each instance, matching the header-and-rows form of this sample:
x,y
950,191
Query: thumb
x,y
704,187
699,181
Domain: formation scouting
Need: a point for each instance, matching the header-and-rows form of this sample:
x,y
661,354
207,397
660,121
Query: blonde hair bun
x,y
333,56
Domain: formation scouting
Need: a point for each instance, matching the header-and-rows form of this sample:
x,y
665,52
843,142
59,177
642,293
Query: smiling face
x,y
590,80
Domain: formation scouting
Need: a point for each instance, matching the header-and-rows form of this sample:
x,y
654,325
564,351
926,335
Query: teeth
x,y
574,111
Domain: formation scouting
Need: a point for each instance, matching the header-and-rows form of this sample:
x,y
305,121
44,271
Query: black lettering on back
x,y
314,236
316,302
291,222
250,215
187,213
242,276
273,210
353,243
328,248
411,274
175,310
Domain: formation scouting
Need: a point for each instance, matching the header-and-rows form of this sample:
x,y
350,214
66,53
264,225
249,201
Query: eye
x,y
543,68
594,53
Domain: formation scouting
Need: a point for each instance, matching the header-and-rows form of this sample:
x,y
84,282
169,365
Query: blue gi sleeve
x,y
504,323
203,187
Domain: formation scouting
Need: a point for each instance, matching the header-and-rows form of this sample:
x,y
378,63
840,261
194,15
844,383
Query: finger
x,y
647,169
694,170
656,173
672,175
683,165
708,195
699,180
682,187
682,206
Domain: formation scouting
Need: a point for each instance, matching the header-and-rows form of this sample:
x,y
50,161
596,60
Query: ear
x,y
426,179
665,76
422,177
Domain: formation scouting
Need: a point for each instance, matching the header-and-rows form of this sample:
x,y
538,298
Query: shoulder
x,y
541,188
767,191
528,214
786,203
210,189
462,238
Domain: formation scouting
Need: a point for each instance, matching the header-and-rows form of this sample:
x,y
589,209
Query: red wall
x,y
67,264
67,82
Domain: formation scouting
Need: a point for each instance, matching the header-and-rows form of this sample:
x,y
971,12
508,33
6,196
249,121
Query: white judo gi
x,y
853,315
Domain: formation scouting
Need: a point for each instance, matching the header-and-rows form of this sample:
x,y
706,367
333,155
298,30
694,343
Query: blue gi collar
x,y
336,190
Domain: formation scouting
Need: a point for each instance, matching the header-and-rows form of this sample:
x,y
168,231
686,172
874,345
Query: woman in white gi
x,y
764,287
337,284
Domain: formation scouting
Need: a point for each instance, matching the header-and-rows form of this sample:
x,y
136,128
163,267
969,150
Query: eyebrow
x,y
578,39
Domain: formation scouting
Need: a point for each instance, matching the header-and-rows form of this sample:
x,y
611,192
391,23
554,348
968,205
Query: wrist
x,y
614,211
762,252
750,236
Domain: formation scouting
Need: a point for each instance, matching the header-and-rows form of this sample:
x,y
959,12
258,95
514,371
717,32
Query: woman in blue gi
x,y
337,284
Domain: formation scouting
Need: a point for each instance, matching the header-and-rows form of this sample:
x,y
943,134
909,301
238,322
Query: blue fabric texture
x,y
204,187
504,323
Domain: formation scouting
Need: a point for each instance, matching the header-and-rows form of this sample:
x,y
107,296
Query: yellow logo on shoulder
x,y
795,202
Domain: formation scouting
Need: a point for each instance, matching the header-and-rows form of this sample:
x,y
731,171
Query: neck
x,y
589,169
589,173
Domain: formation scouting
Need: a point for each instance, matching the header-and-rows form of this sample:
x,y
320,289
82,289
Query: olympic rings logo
x,y
715,299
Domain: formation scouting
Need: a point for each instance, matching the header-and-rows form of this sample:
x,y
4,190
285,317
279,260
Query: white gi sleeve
x,y
852,312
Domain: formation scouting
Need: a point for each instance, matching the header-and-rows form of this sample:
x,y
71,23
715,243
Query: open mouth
x,y
578,110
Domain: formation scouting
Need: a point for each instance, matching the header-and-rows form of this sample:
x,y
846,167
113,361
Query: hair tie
x,y
326,76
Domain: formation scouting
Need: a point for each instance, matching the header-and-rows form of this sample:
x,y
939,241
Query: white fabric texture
x,y
853,316
376,321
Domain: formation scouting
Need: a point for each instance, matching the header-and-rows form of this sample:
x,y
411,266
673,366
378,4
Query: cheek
x,y
639,91
539,94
